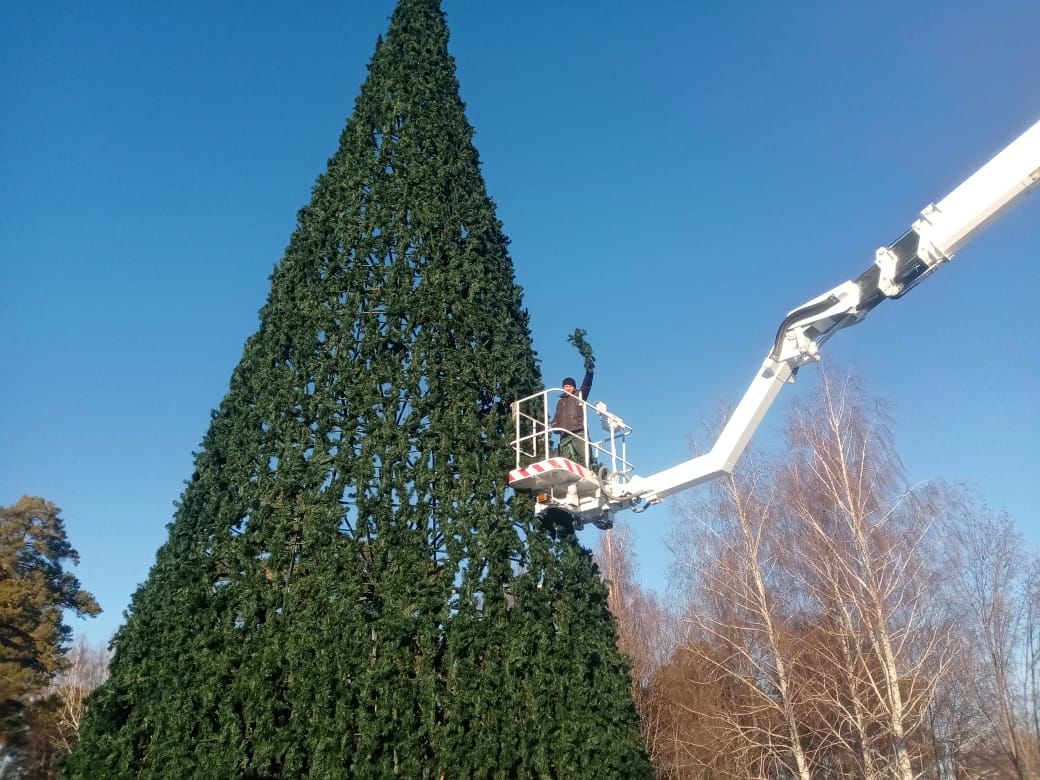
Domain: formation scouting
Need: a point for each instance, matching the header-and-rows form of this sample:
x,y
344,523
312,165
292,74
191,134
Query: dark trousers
x,y
572,447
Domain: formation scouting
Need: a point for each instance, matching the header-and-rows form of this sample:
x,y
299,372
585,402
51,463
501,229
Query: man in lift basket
x,y
570,417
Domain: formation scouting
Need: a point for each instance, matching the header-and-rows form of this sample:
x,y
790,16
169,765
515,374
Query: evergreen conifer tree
x,y
347,588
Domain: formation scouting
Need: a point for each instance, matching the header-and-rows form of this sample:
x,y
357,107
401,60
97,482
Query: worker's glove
x,y
590,363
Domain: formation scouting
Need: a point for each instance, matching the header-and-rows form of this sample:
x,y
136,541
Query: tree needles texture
x,y
347,590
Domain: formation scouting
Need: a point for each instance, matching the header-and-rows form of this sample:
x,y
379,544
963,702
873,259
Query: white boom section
x,y
728,447
983,197
942,229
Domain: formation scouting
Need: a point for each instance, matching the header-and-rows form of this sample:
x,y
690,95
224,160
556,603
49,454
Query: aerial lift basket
x,y
574,485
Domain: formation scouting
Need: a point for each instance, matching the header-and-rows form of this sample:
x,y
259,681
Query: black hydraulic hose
x,y
797,314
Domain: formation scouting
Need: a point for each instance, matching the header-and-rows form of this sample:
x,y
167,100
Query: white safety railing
x,y
535,434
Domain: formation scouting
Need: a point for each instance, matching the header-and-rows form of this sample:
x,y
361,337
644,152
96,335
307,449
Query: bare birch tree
x,y
87,669
963,740
729,551
839,624
862,544
1031,656
986,554
55,715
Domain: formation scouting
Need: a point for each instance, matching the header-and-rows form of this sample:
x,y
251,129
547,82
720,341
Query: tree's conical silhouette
x,y
347,589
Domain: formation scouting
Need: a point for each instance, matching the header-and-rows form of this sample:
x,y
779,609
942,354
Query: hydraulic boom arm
x,y
931,241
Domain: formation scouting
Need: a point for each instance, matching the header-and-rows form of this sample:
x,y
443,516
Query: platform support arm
x,y
729,446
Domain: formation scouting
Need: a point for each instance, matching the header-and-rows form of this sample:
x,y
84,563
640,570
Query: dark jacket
x,y
568,410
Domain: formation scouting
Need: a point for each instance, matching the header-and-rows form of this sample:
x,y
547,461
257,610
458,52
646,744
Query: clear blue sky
x,y
674,177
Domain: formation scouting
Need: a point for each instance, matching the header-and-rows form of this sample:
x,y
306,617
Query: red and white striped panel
x,y
545,468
